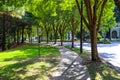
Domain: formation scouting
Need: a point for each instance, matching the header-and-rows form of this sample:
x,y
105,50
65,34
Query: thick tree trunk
x,y
94,51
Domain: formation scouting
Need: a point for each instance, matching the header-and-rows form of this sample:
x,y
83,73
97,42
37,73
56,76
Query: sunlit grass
x,y
22,63
97,70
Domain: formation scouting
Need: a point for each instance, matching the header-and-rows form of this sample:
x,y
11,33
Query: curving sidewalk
x,y
70,67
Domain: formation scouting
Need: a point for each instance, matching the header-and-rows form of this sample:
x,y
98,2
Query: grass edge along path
x,y
22,63
97,70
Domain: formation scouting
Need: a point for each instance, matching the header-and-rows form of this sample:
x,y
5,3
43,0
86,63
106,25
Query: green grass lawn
x,y
22,63
97,70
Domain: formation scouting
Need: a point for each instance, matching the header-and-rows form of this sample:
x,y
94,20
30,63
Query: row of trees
x,y
54,17
64,16
13,30
57,17
15,23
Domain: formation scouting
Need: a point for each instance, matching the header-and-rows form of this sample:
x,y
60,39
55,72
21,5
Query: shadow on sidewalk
x,y
71,67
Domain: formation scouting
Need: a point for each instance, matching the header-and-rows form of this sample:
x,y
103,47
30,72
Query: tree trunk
x,y
31,40
61,39
29,37
73,31
72,39
55,39
15,37
3,34
94,51
47,38
22,34
18,37
117,3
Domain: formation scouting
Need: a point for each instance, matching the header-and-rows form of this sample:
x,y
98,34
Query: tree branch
x,y
100,2
100,16
80,12
89,10
95,11
117,2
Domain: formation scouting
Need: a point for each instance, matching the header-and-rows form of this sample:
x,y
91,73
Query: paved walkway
x,y
70,67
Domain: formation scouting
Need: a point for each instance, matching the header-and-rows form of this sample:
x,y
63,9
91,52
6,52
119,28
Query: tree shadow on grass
x,y
14,71
102,71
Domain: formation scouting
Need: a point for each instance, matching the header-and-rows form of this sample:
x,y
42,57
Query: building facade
x,y
115,32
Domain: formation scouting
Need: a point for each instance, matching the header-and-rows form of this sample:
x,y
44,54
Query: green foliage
x,y
99,36
104,41
29,17
117,14
15,7
108,19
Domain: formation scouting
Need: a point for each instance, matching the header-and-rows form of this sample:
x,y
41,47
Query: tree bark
x,y
47,29
29,37
18,37
15,37
55,39
117,3
61,39
3,34
73,32
72,39
47,37
22,34
61,30
94,51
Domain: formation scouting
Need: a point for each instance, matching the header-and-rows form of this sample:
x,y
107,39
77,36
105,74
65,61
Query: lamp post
x,y
81,33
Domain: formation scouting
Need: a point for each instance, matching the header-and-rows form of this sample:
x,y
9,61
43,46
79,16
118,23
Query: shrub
x,y
99,36
104,41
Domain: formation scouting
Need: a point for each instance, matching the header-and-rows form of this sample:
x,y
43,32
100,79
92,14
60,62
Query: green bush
x,y
99,36
104,41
